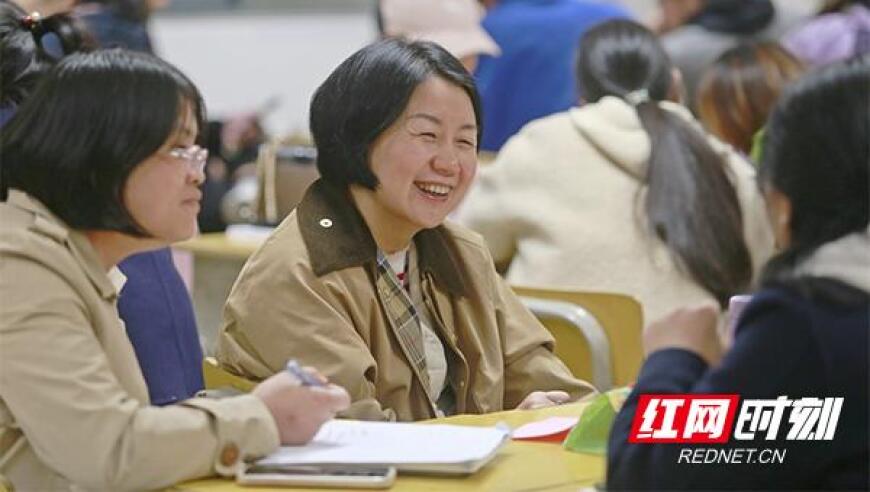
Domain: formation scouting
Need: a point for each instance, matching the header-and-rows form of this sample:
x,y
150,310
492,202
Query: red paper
x,y
553,429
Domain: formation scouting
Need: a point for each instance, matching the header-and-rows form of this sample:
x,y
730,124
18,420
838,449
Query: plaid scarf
x,y
403,317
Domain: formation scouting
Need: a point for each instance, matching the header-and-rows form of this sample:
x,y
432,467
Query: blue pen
x,y
302,375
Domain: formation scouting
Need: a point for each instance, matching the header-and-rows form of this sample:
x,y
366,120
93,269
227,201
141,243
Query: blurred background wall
x,y
270,55
247,54
263,55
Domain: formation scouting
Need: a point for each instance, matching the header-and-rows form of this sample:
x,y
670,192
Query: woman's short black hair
x,y
90,121
364,96
817,153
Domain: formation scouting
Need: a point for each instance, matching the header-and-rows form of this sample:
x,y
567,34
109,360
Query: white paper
x,y
439,448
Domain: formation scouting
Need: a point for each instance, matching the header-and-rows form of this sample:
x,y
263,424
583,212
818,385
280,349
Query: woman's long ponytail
x,y
689,201
692,206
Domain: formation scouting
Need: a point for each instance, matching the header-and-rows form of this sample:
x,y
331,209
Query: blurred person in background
x,y
453,24
75,412
840,31
45,7
119,23
233,144
739,90
625,193
696,32
534,75
30,44
804,336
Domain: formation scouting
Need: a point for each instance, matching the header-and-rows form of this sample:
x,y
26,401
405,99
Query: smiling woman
x,y
424,163
366,281
99,164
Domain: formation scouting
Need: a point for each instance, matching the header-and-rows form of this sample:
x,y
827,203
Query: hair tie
x,y
638,96
32,22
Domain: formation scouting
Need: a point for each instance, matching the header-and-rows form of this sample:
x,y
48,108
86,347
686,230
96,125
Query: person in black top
x,y
805,332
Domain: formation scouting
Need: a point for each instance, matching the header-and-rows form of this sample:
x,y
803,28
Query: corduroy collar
x,y
337,237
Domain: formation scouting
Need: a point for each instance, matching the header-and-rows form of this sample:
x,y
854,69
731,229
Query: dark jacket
x,y
805,339
156,309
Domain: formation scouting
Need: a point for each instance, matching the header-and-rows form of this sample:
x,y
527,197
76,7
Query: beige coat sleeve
x,y
280,310
57,382
530,364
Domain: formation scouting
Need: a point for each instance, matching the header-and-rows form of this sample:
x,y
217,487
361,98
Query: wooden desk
x,y
520,466
217,245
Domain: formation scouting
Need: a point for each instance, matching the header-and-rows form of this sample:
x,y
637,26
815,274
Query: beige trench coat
x,y
74,408
309,293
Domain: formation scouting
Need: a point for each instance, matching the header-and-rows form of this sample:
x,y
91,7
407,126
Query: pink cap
x,y
454,24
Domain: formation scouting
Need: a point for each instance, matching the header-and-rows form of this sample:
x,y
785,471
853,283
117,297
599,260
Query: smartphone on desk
x,y
336,476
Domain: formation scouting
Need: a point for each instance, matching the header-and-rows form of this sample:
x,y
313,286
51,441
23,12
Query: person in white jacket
x,y
625,193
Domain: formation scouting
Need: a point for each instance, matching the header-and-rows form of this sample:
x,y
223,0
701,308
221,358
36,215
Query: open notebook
x,y
437,448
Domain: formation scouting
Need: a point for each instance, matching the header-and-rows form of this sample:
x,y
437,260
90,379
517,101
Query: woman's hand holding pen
x,y
300,405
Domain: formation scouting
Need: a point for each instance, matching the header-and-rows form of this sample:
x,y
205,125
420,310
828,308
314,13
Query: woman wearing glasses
x,y
98,164
155,304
